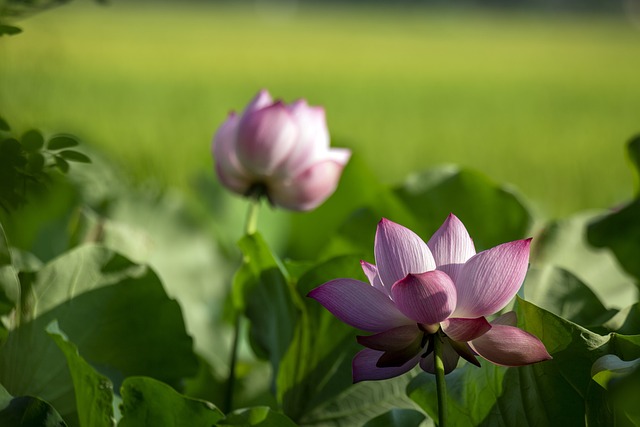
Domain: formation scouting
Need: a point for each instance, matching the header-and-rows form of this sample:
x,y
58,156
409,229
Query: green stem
x,y
251,223
250,227
441,385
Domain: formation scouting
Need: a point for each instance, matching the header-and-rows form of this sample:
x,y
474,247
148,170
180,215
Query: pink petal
x,y
364,366
490,279
360,305
261,100
449,357
265,138
465,329
313,137
399,251
371,271
227,167
309,189
510,346
427,298
393,339
451,246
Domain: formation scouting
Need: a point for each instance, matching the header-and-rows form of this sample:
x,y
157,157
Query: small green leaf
x,y
32,140
27,411
74,156
4,126
61,164
609,367
149,403
633,149
62,141
9,30
35,162
261,416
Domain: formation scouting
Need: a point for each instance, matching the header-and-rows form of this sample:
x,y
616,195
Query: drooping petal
x,y
309,189
451,246
364,366
371,271
360,305
393,339
399,251
490,279
426,297
265,138
399,345
449,358
459,329
261,100
227,166
509,346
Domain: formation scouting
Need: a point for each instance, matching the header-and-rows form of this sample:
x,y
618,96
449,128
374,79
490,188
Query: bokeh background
x,y
541,95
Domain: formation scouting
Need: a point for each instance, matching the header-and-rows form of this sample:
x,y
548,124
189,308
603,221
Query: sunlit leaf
x,y
563,243
151,403
563,294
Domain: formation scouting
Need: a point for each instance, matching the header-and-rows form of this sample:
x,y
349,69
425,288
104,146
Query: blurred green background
x,y
544,101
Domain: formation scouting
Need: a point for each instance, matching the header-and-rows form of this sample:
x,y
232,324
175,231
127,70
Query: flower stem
x,y
251,223
250,227
441,385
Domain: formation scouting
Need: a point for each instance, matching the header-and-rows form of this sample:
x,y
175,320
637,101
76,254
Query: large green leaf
x,y
397,418
259,416
563,243
261,290
555,392
620,232
150,403
27,411
118,315
491,213
93,392
563,294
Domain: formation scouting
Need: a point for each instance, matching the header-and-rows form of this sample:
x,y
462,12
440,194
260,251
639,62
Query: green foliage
x,y
259,416
559,391
620,230
150,403
93,392
8,30
27,411
397,418
25,164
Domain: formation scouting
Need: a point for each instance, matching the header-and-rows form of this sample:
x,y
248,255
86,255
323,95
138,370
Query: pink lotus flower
x,y
439,290
279,151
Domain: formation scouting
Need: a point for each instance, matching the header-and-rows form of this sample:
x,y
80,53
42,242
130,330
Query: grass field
x,y
543,102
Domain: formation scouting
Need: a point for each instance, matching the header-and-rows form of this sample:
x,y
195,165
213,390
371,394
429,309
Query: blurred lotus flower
x,y
279,151
439,290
